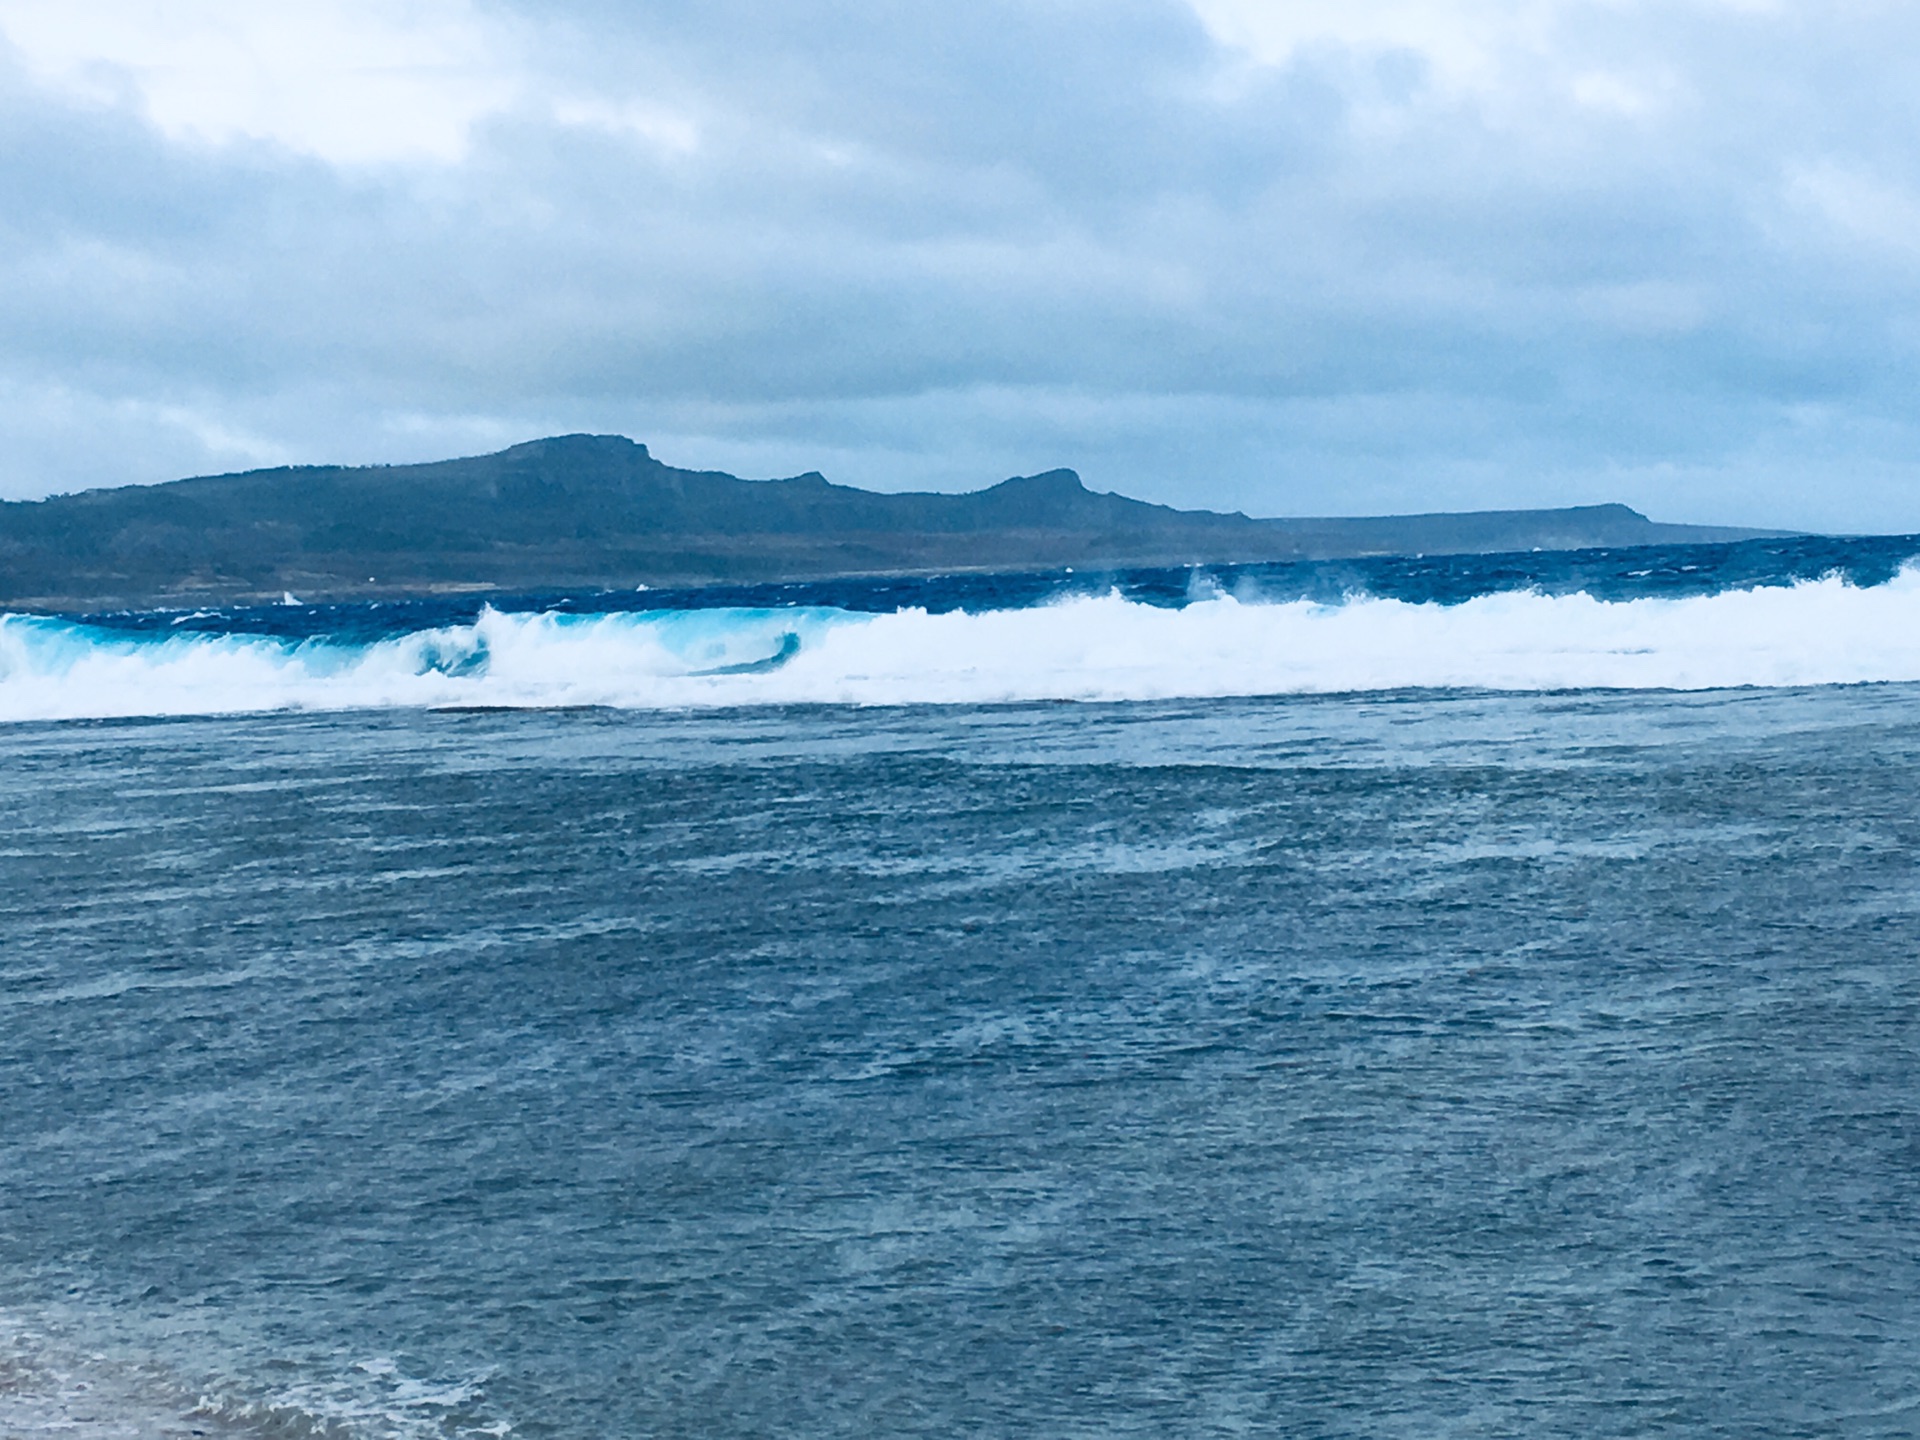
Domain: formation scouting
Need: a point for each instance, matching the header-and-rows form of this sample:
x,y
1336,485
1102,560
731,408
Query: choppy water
x,y
1405,1064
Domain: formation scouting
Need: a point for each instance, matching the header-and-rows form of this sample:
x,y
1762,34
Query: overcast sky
x,y
1334,256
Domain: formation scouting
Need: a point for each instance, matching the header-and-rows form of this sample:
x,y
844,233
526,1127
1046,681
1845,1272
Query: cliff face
x,y
598,510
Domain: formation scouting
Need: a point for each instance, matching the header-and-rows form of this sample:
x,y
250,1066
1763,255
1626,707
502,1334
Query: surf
x,y
1085,647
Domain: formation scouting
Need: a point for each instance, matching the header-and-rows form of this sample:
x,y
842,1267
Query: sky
x,y
1325,257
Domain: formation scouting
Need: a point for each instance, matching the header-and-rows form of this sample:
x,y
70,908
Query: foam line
x,y
1102,648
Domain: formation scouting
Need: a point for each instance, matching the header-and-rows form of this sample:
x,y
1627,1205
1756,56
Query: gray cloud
x,y
1675,263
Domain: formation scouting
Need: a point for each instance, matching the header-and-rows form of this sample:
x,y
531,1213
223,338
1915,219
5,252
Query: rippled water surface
x,y
1404,1065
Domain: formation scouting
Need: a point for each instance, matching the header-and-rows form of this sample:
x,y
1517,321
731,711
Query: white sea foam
x,y
1101,648
50,1388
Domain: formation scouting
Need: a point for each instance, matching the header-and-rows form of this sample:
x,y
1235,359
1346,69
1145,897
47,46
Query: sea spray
x,y
1098,647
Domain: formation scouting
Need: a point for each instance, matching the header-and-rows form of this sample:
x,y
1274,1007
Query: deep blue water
x,y
1406,1064
1637,572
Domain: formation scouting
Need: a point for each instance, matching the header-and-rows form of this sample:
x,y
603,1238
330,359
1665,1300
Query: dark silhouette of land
x,y
591,511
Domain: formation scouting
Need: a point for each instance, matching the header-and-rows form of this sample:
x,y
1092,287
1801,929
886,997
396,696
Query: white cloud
x,y
351,81
1862,210
1467,42
1508,57
653,124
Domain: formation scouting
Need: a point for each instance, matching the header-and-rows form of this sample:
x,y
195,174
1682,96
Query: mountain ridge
x,y
591,511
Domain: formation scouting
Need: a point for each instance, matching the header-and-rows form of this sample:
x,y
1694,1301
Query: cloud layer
x,y
1297,258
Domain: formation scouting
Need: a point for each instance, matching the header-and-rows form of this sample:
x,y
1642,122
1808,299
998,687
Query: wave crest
x,y
1089,648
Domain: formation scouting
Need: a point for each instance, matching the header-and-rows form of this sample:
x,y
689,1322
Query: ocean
x,y
1404,998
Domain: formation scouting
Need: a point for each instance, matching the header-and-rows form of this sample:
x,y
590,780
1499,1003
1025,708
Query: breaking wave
x,y
1094,648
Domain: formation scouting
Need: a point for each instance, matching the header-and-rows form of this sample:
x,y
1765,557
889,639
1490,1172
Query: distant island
x,y
593,511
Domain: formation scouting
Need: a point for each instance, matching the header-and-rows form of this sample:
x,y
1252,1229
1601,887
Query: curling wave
x,y
1106,647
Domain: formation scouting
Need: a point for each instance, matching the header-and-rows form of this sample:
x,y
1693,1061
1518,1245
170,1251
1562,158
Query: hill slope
x,y
598,510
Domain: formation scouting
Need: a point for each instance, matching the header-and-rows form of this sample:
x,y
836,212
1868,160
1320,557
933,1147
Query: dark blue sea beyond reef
x,y
1401,1064
1631,573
